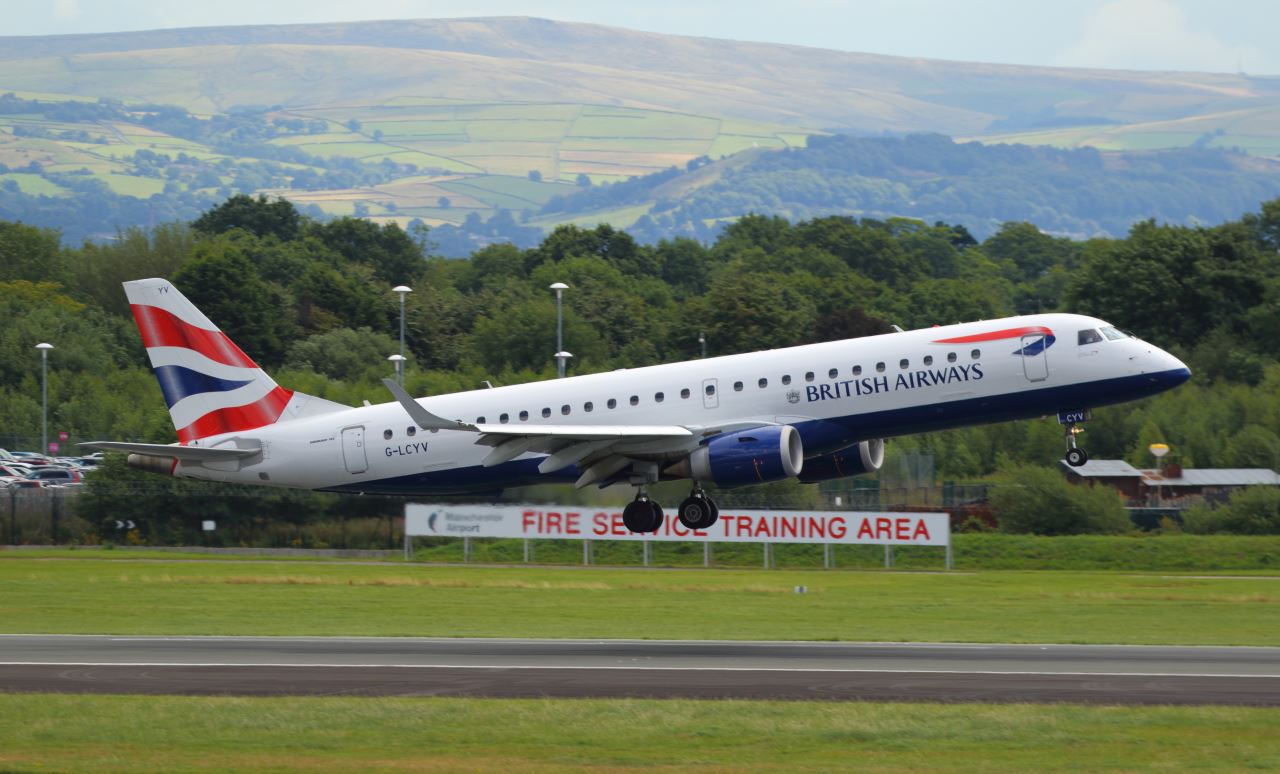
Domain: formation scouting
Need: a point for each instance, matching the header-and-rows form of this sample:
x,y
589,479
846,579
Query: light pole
x,y
702,344
402,290
399,361
44,348
560,288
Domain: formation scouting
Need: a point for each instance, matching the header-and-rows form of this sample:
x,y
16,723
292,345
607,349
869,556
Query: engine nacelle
x,y
863,457
748,457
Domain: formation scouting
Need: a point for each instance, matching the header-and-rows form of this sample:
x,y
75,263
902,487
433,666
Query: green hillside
x,y
449,121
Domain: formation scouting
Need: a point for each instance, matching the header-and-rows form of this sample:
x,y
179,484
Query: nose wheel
x,y
1076,456
698,511
642,514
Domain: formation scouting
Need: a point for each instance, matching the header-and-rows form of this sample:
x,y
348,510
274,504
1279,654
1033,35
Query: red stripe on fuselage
x,y
161,328
263,411
1007,333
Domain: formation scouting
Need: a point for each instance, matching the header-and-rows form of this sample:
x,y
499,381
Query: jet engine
x,y
863,457
746,457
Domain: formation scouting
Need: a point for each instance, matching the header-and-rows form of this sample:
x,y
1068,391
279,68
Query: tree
x,y
225,286
1039,501
30,253
392,254
261,217
535,175
346,354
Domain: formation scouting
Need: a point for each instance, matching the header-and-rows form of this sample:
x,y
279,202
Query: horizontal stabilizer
x,y
186,453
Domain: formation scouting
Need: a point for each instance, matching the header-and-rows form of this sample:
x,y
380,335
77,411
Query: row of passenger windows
x,y
686,393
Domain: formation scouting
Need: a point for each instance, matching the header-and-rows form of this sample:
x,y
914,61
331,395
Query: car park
x,y
55,475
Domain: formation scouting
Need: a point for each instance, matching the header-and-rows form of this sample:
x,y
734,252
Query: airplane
x,y
811,412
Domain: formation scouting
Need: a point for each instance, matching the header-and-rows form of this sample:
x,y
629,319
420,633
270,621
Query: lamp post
x,y
560,288
399,361
702,344
402,290
44,348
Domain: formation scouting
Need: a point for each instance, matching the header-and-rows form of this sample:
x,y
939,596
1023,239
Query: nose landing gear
x,y
1075,455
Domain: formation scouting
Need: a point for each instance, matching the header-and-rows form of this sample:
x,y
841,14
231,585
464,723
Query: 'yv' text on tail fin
x,y
210,385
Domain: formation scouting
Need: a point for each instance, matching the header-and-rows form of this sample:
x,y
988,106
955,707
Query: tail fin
x,y
210,385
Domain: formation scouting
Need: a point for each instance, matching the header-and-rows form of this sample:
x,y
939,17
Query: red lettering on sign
x,y
838,528
922,530
571,524
865,531
903,529
884,529
528,519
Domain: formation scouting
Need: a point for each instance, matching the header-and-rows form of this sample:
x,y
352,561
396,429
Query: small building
x,y
1172,485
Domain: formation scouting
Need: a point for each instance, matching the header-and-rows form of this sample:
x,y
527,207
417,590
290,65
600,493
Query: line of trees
x,y
311,301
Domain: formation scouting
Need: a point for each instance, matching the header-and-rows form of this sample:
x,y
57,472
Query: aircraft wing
x,y
187,453
602,450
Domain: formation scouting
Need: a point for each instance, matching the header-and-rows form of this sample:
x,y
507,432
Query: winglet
x,y
423,418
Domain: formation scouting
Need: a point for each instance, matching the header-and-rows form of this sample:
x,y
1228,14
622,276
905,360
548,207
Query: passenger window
x,y
808,376
524,416
786,379
1088,336
635,400
658,397
833,373
711,389
546,412
928,360
564,410
387,434
977,353
588,406
763,383
737,386
879,368
904,364
412,431
857,371
951,357
685,393
504,418
613,403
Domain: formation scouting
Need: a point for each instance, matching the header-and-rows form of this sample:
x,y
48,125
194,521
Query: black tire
x,y
715,512
637,516
695,512
1077,457
656,517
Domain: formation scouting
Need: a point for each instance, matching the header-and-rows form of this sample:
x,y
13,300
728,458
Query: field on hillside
x,y
469,157
166,596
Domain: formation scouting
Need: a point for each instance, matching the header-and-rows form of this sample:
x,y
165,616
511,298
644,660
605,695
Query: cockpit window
x,y
1089,336
1114,334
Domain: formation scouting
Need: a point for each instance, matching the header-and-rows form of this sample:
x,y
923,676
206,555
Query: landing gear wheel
x,y
697,512
642,515
1077,457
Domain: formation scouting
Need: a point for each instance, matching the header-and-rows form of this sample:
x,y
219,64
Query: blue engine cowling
x,y
864,457
749,457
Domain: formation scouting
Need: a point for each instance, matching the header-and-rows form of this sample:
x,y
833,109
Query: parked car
x,y
14,469
28,483
55,475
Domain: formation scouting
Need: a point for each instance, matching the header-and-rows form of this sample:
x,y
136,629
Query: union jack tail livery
x,y
210,385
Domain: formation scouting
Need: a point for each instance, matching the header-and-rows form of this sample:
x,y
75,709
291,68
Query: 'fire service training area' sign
x,y
734,526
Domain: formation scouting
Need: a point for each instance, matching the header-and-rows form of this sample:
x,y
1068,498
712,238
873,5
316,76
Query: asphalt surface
x,y
639,668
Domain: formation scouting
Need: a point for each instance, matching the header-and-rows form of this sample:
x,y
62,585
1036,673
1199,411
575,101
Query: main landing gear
x,y
698,511
643,515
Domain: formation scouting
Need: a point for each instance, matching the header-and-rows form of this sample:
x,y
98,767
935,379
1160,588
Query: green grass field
x,y
94,595
170,733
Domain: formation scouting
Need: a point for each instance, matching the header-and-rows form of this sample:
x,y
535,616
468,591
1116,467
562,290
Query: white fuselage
x,y
836,394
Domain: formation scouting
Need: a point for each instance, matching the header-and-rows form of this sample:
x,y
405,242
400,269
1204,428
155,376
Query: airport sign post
x,y
887,528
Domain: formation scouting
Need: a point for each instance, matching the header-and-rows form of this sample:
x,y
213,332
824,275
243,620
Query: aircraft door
x,y
353,453
1035,357
710,396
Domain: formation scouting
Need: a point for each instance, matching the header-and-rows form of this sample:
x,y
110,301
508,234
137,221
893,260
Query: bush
x,y
1253,511
1039,501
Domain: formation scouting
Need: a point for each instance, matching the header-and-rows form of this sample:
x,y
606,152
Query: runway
x,y
506,668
